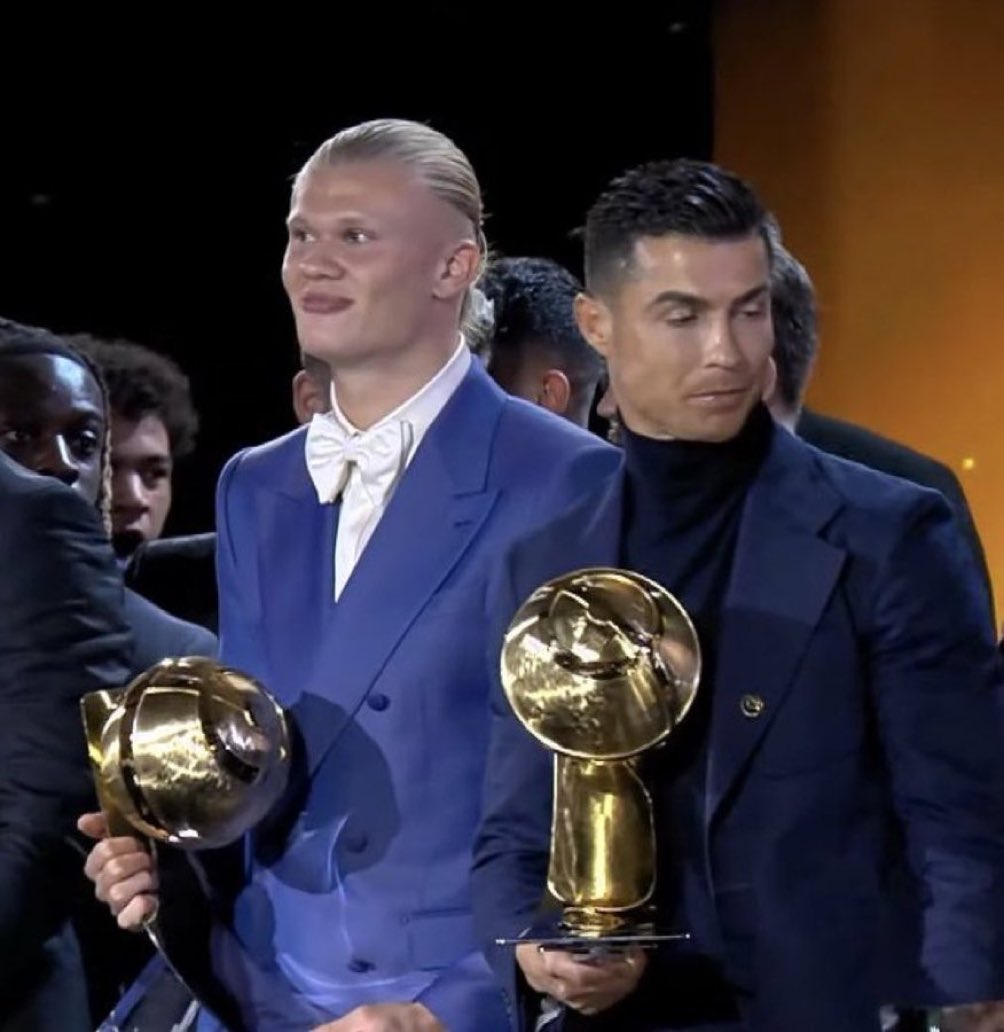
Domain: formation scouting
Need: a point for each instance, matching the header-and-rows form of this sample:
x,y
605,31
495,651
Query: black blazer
x,y
867,448
62,633
179,575
157,635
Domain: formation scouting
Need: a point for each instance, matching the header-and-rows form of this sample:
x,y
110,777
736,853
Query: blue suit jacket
x,y
359,889
853,847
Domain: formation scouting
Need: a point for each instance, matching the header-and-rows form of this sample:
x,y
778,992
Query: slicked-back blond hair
x,y
437,162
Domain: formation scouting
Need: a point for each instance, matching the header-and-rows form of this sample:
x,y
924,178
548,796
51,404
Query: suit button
x,y
378,702
751,705
359,966
356,841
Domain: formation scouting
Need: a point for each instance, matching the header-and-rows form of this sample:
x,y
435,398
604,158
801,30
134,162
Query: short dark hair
x,y
18,340
534,307
793,309
142,382
691,198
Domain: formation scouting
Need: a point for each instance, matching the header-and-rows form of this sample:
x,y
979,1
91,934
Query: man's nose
x,y
128,491
318,261
57,461
721,346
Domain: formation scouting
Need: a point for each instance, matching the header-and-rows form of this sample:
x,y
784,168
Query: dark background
x,y
143,196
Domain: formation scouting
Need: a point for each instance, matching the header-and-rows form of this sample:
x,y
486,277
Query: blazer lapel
x,y
782,576
435,513
295,566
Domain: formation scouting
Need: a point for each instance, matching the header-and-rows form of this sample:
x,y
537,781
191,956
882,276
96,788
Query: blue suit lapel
x,y
296,575
782,578
435,513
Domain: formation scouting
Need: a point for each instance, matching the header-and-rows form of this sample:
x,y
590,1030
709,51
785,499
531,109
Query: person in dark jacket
x,y
796,343
54,421
62,633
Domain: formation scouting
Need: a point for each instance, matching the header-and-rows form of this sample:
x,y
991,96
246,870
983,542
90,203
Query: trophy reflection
x,y
600,666
190,754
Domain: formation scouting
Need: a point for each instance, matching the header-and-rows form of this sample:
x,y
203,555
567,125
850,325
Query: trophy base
x,y
557,935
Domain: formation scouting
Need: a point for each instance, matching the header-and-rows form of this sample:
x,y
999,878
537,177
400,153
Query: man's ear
x,y
309,397
459,270
555,392
595,321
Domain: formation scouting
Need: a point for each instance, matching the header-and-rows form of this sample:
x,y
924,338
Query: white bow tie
x,y
378,453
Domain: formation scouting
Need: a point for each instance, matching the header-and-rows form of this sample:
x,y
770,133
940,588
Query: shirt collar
x,y
422,408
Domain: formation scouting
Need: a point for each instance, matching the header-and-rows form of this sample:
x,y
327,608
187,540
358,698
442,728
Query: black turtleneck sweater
x,y
683,504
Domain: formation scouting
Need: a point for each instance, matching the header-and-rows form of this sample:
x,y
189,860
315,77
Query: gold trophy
x,y
190,754
600,666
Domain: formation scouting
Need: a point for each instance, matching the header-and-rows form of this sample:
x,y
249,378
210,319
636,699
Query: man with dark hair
x,y
54,417
796,343
179,573
154,424
536,351
62,633
830,814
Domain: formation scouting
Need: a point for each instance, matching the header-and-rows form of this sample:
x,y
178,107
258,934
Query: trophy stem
x,y
602,844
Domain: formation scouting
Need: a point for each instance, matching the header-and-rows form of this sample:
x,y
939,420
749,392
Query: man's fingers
x,y
582,976
93,825
138,910
117,867
385,1017
117,894
121,867
596,985
107,850
583,984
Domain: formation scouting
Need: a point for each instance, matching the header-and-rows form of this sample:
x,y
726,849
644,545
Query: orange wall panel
x,y
875,130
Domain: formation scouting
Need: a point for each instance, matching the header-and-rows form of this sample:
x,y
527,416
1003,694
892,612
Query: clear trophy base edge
x,y
555,936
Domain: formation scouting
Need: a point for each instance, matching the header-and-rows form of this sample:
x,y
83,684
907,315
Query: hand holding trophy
x,y
600,666
191,754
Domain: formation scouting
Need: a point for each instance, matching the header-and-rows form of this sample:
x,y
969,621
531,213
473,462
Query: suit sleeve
x,y
948,484
201,643
937,682
63,634
512,847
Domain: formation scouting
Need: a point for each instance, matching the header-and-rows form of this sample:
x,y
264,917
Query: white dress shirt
x,y
364,467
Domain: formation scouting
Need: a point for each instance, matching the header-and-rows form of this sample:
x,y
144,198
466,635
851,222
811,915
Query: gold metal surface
x,y
603,842
191,753
600,665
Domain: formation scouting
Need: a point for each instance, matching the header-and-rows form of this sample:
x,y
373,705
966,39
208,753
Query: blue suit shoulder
x,y
275,464
531,440
259,464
